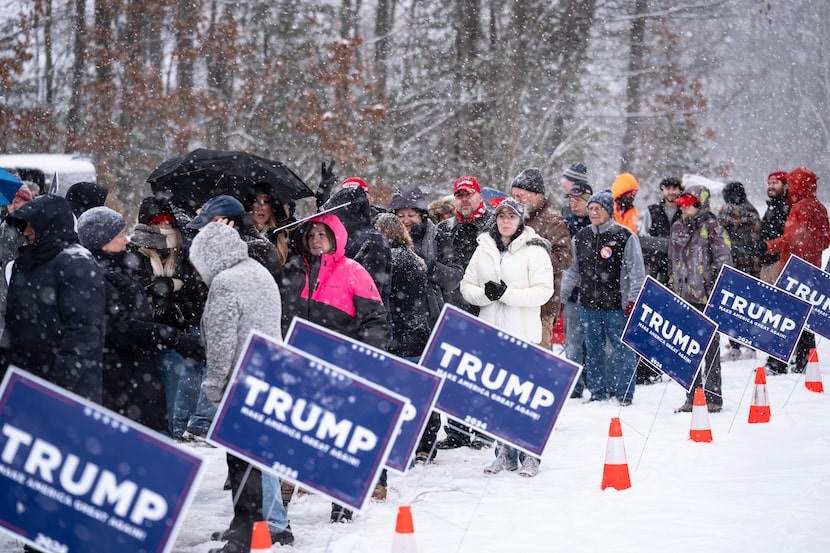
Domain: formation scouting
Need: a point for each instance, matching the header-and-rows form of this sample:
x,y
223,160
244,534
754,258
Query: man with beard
x,y
772,226
655,227
455,242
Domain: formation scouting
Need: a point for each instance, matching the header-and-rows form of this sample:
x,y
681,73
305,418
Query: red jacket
x,y
807,230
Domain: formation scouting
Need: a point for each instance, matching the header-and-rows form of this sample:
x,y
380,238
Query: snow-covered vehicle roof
x,y
41,168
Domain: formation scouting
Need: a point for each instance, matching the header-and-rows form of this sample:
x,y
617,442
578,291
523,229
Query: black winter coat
x,y
55,314
178,308
772,225
411,326
455,243
132,380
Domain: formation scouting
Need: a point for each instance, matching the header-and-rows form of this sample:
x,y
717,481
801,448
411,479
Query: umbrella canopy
x,y
492,196
9,184
202,174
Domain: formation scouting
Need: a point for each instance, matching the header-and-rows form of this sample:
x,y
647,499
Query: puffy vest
x,y
600,258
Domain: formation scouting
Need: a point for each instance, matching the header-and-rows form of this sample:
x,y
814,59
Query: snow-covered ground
x,y
756,487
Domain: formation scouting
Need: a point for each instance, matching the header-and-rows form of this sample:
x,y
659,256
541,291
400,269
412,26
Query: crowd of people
x,y
150,320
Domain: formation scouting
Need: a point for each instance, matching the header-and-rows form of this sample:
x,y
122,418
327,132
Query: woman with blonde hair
x,y
177,297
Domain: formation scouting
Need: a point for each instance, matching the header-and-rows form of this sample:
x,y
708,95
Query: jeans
x,y
182,378
599,327
272,508
202,417
574,344
517,457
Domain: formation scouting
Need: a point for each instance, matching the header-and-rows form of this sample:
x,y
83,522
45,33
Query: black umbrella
x,y
202,174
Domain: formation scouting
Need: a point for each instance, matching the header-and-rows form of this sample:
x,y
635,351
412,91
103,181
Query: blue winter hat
x,y
605,199
98,226
220,206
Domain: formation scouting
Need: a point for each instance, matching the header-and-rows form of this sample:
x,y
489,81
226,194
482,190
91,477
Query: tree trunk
x,y
634,101
470,111
73,115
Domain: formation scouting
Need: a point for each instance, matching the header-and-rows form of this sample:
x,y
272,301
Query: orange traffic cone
x,y
615,473
261,538
700,430
404,541
813,377
759,409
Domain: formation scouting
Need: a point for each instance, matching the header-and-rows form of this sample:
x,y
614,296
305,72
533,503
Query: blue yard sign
x,y
756,313
668,332
811,284
497,383
419,385
308,421
78,478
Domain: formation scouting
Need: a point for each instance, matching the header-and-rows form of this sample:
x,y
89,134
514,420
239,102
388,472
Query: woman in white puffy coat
x,y
510,277
515,262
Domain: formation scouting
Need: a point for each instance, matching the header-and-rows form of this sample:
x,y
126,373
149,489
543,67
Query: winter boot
x,y
287,491
340,513
379,494
530,467
501,462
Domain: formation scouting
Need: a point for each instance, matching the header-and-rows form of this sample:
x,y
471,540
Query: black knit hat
x,y
530,180
150,207
408,196
98,226
85,195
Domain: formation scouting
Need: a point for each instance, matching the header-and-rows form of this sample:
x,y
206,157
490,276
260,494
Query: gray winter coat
x,y
242,296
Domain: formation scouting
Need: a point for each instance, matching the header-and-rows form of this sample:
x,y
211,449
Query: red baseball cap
x,y
470,184
778,175
686,200
355,182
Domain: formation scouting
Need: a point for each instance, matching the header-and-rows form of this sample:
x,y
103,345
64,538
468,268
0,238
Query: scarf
x,y
482,207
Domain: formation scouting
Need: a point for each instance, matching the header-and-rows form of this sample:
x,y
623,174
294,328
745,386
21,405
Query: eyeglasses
x,y
261,203
583,197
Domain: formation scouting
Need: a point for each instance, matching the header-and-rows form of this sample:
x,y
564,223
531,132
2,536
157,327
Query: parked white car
x,y
43,169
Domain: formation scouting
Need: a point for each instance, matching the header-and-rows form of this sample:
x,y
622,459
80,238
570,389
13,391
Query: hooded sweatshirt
x,y
242,296
807,230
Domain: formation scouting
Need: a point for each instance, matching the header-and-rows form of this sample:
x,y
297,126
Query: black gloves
x,y
494,291
327,180
190,345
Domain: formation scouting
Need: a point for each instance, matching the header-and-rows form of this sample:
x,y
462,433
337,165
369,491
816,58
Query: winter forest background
x,y
424,91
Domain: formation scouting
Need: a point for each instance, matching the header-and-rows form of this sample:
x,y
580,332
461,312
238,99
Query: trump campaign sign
x,y
77,477
809,283
755,313
668,332
419,385
497,383
308,421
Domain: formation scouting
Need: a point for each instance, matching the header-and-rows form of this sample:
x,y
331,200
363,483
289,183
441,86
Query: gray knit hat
x,y
98,226
530,180
605,199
